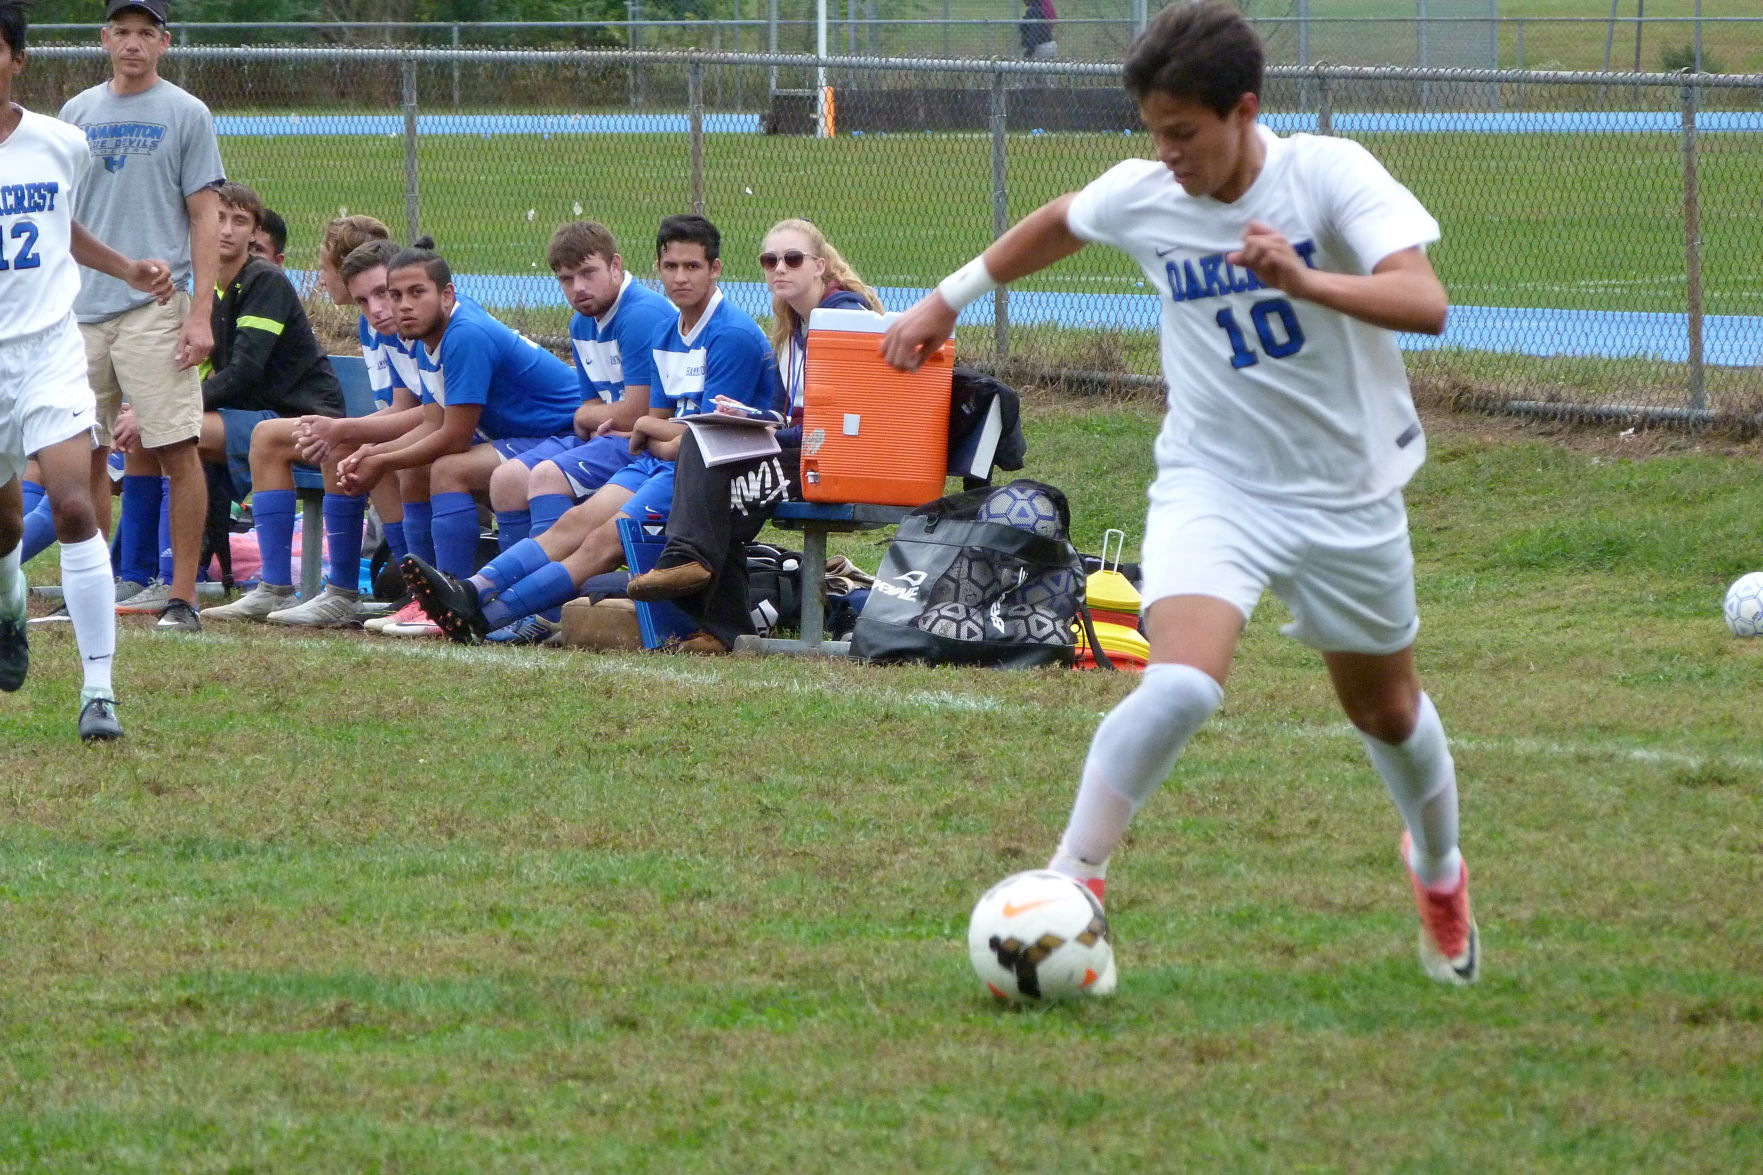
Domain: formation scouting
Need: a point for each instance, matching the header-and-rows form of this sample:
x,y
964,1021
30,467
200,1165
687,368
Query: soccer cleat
x,y
98,721
255,604
15,654
1450,945
410,613
149,601
178,617
528,630
331,608
451,603
670,583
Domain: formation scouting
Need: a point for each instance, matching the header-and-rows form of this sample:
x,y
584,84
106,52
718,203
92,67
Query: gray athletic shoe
x,y
178,617
256,604
331,608
149,601
98,721
127,589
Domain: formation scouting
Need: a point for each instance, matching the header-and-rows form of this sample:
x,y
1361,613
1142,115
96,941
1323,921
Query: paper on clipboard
x,y
723,437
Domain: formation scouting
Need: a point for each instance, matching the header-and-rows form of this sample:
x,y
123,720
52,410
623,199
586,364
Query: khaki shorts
x,y
133,357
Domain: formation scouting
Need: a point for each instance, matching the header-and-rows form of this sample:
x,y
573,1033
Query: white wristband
x,y
967,284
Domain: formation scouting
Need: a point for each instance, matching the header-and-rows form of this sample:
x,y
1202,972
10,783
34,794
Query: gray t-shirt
x,y
155,148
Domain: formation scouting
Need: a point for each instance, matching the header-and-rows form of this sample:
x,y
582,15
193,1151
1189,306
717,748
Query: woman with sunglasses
x,y
718,509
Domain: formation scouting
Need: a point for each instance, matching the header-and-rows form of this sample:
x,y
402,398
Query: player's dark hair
x,y
13,23
236,195
271,222
690,230
1205,51
368,256
423,253
575,242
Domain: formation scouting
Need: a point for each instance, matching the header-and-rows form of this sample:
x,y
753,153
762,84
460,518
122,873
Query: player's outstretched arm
x,y
1031,245
1400,293
149,276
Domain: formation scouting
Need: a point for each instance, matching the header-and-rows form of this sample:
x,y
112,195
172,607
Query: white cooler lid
x,y
862,321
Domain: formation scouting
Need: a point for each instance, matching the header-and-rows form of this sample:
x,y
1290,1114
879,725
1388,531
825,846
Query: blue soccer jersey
x,y
524,390
612,351
724,354
377,350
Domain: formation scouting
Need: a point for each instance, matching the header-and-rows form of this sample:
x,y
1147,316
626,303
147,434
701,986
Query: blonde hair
x,y
784,319
345,234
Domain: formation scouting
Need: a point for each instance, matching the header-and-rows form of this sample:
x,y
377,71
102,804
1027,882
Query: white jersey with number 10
x,y
1274,394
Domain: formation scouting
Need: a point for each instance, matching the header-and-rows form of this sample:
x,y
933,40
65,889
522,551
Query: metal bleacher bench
x,y
309,482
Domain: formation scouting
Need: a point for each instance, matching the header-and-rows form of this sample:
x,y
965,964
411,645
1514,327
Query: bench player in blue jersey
x,y
47,410
615,322
489,395
715,351
277,444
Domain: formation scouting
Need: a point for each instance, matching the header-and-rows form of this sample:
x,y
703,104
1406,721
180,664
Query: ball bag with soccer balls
x,y
1039,937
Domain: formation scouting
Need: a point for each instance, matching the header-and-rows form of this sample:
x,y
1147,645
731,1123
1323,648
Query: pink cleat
x,y
1450,947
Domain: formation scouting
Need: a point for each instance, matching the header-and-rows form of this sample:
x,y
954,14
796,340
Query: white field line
x,y
695,673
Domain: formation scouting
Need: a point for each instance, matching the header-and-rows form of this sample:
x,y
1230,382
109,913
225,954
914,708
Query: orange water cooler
x,y
871,433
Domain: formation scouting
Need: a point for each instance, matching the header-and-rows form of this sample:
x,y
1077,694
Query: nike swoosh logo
x,y
105,657
1467,969
1168,251
1012,909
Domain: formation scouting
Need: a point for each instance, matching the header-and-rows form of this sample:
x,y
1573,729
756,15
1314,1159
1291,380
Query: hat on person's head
x,y
153,8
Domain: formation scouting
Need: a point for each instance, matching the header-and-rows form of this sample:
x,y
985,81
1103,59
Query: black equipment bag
x,y
985,577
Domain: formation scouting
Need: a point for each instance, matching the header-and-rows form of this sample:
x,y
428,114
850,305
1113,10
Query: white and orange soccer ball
x,y
1040,937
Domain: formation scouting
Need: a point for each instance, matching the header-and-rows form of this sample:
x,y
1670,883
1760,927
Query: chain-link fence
x,y
1599,229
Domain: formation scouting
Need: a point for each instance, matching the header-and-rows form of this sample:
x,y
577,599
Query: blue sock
x,y
417,523
455,529
511,527
546,510
343,516
137,527
39,526
33,493
394,532
551,586
513,565
167,564
274,512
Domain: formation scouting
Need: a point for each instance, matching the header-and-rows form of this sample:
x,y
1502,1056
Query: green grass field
x,y
341,903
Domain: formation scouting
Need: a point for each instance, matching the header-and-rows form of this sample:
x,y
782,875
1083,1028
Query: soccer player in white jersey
x,y
47,411
1286,267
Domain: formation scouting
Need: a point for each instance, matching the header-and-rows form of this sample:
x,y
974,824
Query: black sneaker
x,y
451,603
98,722
15,654
178,616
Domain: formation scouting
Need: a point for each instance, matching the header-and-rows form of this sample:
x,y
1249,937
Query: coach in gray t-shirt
x,y
150,193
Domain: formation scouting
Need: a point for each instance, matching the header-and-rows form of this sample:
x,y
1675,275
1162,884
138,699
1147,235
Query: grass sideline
x,y
325,910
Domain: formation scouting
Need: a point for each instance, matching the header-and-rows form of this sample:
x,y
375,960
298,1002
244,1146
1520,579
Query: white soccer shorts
x,y
1347,575
44,396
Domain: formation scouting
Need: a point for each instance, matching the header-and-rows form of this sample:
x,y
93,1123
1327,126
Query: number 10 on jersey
x,y
1276,328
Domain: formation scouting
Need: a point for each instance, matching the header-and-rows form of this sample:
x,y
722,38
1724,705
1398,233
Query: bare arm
x,y
1038,240
1400,293
196,339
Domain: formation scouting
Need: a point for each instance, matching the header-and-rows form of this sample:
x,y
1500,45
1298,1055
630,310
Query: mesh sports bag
x,y
986,577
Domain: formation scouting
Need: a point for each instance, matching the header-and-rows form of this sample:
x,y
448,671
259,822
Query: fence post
x,y
412,196
1000,212
1692,250
1324,105
695,117
456,71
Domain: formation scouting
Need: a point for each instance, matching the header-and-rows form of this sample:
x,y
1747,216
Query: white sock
x,y
90,595
12,585
1132,753
1422,780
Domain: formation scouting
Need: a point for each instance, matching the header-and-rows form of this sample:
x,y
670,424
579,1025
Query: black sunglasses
x,y
792,259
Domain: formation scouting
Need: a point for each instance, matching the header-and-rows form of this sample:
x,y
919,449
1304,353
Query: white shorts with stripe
x,y
1347,575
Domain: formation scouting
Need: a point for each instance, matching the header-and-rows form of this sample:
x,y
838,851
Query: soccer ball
x,y
1039,626
955,621
970,580
1744,605
1058,591
1041,936
1024,507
